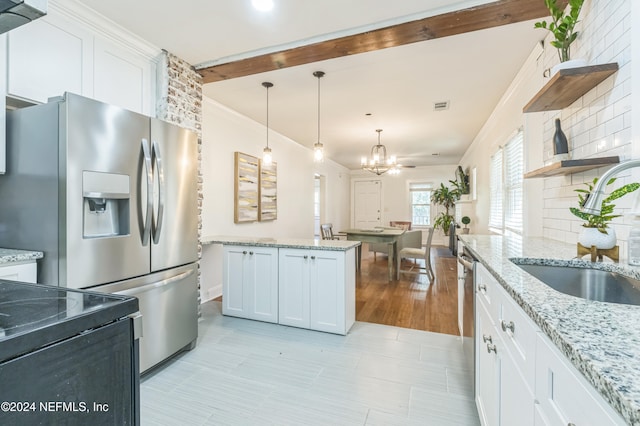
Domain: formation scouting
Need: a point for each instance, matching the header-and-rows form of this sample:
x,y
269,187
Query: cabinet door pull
x,y
251,253
244,252
313,257
305,257
491,348
486,338
510,326
482,287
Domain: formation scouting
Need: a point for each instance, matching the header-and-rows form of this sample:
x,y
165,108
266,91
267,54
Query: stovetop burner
x,y
24,314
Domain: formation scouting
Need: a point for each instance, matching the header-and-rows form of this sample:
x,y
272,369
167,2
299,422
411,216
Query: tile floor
x,y
245,372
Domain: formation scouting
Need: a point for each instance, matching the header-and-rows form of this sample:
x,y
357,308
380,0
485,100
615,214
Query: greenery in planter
x,y
465,221
562,26
446,198
606,215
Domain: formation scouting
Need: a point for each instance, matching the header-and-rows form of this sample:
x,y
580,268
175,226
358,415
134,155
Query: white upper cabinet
x,y
76,50
46,58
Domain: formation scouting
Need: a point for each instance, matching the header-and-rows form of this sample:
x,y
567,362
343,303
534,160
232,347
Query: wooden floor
x,y
411,302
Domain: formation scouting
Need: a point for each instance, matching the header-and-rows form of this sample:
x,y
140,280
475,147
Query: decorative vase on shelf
x,y
560,145
572,63
593,237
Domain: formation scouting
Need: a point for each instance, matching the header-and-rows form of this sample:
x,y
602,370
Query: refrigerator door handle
x,y
160,171
137,290
146,233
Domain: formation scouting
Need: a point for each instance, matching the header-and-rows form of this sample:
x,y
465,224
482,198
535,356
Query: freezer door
x,y
168,303
175,198
105,160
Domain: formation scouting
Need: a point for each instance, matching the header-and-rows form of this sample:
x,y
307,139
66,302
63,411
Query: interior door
x,y
367,204
175,200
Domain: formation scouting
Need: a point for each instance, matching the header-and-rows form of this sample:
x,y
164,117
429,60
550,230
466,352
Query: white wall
x,y
223,132
597,125
396,201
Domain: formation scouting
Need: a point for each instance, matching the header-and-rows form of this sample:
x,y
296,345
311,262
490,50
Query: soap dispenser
x,y
633,244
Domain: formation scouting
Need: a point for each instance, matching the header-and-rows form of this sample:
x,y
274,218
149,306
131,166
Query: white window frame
x,y
420,186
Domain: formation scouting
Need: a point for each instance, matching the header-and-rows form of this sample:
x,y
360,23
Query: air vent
x,y
441,106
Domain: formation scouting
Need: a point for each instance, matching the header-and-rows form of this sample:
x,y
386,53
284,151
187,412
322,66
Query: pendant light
x,y
378,163
318,148
266,152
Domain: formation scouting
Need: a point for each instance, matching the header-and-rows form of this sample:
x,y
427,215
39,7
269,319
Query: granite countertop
x,y
12,256
312,244
602,340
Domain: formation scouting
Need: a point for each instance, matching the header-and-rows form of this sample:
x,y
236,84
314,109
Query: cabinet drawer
x,y
25,272
519,334
564,396
487,291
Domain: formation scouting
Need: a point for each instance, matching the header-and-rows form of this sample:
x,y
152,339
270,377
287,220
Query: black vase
x,y
560,145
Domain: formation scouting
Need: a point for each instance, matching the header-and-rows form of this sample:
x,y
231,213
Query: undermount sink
x,y
587,283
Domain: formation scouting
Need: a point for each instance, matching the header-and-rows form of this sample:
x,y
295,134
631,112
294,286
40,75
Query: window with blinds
x,y
420,193
506,182
495,196
513,181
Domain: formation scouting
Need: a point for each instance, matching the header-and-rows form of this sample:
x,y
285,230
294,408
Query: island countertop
x,y
311,244
602,340
13,256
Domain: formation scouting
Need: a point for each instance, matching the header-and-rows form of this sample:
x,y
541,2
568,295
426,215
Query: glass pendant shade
x,y
318,148
267,158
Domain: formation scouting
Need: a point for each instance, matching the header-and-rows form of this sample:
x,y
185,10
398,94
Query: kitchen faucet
x,y
593,203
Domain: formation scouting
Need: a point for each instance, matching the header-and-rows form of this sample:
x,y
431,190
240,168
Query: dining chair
x,y
417,253
326,231
406,225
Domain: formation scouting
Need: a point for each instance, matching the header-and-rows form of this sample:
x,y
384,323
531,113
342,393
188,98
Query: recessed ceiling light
x,y
262,5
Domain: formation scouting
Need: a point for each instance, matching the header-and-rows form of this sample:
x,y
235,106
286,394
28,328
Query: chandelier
x,y
378,162
318,148
267,157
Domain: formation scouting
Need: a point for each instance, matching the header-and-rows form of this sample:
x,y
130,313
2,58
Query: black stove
x,y
32,315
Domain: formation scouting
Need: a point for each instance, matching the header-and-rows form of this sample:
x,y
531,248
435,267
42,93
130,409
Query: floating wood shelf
x,y
567,85
566,167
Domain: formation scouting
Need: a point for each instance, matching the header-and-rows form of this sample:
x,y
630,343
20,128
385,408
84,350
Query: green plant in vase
x,y
466,220
562,26
596,229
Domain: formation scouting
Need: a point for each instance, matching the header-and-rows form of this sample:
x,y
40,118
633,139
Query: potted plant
x,y
596,230
465,221
446,198
563,29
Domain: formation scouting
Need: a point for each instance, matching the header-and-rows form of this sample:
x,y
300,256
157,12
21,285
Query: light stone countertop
x,y
602,340
12,256
311,244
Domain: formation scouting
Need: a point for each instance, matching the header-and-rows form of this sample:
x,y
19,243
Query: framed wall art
x,y
268,192
246,188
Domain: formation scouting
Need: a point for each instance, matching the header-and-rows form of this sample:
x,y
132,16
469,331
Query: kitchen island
x,y
304,283
19,265
601,340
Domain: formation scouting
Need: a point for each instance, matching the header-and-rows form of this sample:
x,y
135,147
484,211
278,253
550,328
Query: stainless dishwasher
x,y
466,303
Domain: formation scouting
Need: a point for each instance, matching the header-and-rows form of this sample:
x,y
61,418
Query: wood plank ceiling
x,y
489,15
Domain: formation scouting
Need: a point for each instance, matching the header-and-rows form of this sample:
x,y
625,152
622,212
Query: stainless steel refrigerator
x,y
110,197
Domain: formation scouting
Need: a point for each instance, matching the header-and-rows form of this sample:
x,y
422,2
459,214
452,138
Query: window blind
x,y
495,186
513,182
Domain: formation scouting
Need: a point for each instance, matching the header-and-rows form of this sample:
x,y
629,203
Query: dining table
x,y
377,235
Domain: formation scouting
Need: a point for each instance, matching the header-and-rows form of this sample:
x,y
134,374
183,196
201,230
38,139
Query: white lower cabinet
x,y
315,289
250,282
25,272
564,396
521,377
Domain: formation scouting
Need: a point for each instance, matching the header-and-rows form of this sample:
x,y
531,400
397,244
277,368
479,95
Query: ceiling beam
x,y
489,15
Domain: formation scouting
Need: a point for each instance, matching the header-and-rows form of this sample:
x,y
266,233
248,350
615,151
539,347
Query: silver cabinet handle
x,y
160,171
482,287
486,338
492,348
251,253
305,257
244,252
510,326
146,232
313,257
